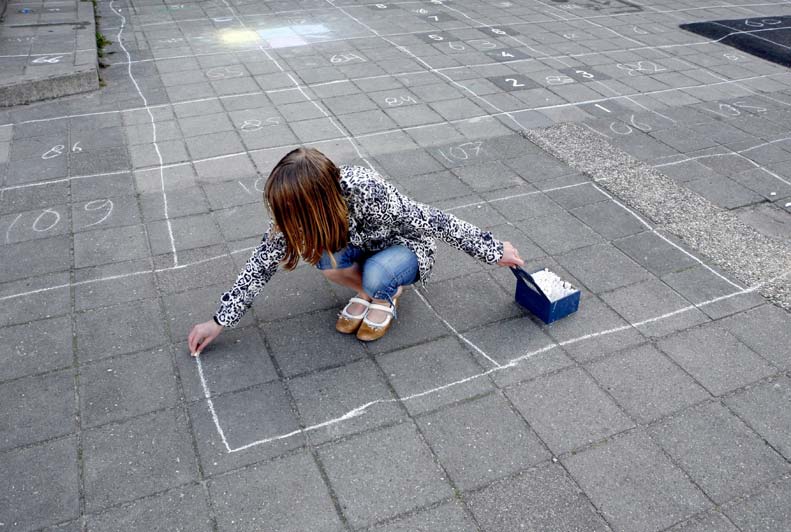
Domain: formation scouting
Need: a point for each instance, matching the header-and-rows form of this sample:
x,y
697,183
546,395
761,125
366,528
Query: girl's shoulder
x,y
355,179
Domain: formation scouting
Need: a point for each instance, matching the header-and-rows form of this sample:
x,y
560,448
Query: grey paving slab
x,y
39,408
414,370
544,498
120,329
332,393
764,407
400,470
712,521
603,268
631,494
32,500
482,440
568,410
646,383
179,509
289,485
764,511
716,358
721,454
449,516
765,331
36,347
121,387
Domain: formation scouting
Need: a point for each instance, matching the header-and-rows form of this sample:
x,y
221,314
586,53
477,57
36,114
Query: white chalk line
x,y
510,364
153,133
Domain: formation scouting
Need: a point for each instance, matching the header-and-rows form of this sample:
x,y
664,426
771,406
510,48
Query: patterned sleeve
x,y
258,270
390,204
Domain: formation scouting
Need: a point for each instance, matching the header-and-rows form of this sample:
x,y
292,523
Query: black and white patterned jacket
x,y
379,217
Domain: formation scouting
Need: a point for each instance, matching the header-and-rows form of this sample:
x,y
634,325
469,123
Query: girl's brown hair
x,y
303,193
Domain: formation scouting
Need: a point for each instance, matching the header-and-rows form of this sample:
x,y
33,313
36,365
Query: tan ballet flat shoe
x,y
369,330
349,323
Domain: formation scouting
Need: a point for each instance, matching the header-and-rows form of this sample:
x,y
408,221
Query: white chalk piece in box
x,y
545,294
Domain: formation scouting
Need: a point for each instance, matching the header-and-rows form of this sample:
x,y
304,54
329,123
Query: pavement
x,y
642,163
48,49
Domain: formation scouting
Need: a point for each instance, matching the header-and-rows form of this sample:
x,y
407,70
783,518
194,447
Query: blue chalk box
x,y
530,296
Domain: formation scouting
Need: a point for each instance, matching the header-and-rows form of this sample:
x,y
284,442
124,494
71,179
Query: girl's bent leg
x,y
384,273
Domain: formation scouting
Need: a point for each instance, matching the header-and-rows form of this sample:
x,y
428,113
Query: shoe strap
x,y
383,308
363,302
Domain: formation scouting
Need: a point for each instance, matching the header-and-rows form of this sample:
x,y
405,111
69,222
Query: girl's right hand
x,y
202,335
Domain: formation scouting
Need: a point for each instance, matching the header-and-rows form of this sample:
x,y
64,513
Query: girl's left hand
x,y
510,256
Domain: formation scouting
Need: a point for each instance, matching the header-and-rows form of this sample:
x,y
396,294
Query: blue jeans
x,y
383,271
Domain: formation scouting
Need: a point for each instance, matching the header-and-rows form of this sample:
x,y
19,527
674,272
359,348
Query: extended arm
x,y
258,270
390,204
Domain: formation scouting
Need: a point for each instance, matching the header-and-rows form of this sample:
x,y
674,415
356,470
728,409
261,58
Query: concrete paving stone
x,y
40,484
121,329
417,369
488,176
434,186
568,410
118,388
648,306
332,393
35,347
35,257
320,346
111,284
188,232
768,219
214,144
114,244
71,526
602,268
711,521
36,170
654,253
35,147
413,115
724,192
257,424
684,139
268,137
449,516
646,383
86,163
700,285
765,330
360,123
35,298
400,470
179,510
765,408
348,103
578,196
544,498
235,360
719,453
236,167
762,182
559,232
36,224
716,358
37,408
480,215
408,164
183,202
634,484
194,126
481,441
290,485
457,109
724,165
299,111
471,301
107,212
139,457
309,131
609,220
766,510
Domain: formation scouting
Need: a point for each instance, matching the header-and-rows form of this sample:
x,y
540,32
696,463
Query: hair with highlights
x,y
304,196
